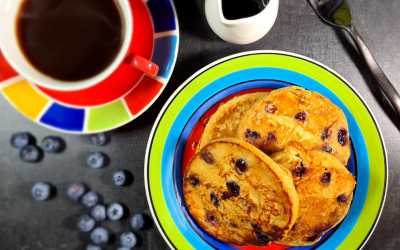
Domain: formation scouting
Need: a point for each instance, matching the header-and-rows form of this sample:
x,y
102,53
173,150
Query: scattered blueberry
x,y
326,178
30,153
41,191
241,166
96,160
123,248
194,181
75,191
51,144
115,211
315,237
300,116
128,239
119,177
252,134
214,199
99,212
138,221
207,157
326,133
270,108
342,198
90,199
327,149
263,237
93,247
342,136
300,171
272,136
210,218
233,191
98,139
100,235
85,223
21,139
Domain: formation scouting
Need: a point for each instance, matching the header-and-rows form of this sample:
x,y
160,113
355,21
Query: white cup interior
x,y
10,48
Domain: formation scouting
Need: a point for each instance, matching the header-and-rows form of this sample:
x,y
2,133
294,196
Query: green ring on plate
x,y
375,147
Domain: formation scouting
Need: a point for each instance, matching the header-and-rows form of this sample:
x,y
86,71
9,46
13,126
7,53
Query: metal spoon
x,y
337,13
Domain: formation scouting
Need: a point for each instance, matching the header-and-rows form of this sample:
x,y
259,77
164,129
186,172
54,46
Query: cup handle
x,y
142,64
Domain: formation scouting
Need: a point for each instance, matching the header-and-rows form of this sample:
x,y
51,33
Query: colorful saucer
x,y
117,100
179,126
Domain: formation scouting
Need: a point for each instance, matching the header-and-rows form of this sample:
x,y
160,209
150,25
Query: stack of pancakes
x,y
271,168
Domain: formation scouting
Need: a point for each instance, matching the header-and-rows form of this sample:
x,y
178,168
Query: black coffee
x,y
70,40
237,9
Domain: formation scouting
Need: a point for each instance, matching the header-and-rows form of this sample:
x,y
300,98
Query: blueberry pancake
x,y
325,190
296,114
238,194
225,121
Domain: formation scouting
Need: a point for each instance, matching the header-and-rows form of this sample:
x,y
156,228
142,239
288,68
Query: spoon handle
x,y
377,72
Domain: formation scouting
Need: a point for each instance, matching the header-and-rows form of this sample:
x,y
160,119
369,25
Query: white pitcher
x,y
244,30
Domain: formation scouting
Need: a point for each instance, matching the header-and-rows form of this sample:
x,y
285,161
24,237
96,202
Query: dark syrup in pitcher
x,y
237,9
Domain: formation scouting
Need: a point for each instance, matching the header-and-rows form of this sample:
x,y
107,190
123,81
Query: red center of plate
x,y
192,145
124,77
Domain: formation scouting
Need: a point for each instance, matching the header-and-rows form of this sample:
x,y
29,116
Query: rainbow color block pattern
x,y
120,98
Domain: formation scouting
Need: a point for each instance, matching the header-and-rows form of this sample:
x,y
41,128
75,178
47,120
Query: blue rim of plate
x,y
259,65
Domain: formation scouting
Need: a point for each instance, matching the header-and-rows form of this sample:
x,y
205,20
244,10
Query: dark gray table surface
x,y
28,224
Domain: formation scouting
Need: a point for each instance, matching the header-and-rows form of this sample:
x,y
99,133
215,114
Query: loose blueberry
x,y
100,235
75,191
207,157
85,223
93,247
96,160
342,136
234,191
119,177
99,212
271,136
30,153
326,178
214,199
326,133
263,237
300,116
51,144
270,108
123,248
327,149
98,139
90,199
342,198
194,181
138,222
241,166
128,239
115,211
252,134
300,170
21,139
210,218
41,191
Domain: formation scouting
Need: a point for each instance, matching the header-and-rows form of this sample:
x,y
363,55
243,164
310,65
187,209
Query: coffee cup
x,y
18,57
